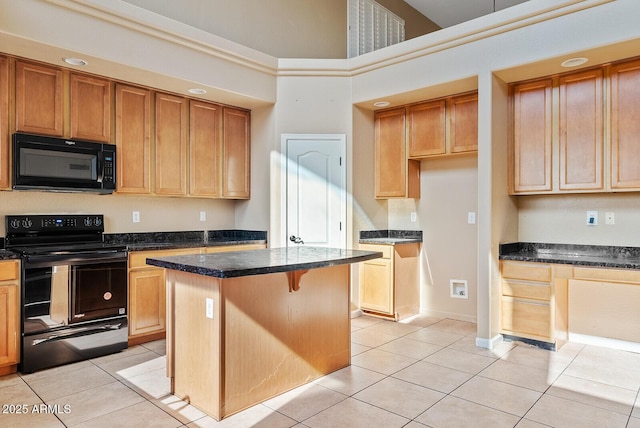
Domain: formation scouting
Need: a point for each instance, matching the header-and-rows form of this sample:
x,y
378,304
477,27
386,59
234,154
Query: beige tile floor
x,y
427,372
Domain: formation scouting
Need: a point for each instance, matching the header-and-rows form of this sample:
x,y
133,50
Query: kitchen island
x,y
245,326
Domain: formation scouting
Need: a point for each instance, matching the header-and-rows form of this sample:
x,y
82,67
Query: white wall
x,y
449,191
156,213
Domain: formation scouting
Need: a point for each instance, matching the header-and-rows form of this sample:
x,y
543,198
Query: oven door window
x,y
46,298
98,290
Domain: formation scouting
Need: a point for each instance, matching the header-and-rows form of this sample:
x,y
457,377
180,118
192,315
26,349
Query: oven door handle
x,y
93,256
78,332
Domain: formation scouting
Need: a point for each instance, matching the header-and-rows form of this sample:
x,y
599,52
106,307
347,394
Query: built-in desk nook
x,y
245,326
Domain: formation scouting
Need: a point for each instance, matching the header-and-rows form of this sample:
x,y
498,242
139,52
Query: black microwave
x,y
63,165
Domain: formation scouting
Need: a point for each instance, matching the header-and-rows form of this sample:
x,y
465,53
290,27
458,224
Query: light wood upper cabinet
x,y
133,139
581,131
39,99
5,139
443,127
171,145
530,165
426,124
463,123
205,131
90,108
236,154
395,176
625,126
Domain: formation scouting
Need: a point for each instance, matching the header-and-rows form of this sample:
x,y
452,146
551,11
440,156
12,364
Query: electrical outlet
x,y
203,216
135,216
592,218
209,308
414,216
471,218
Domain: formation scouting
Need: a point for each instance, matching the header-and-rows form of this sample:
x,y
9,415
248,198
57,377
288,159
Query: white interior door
x,y
315,189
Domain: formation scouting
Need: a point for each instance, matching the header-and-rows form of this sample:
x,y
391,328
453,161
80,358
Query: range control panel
x,y
59,223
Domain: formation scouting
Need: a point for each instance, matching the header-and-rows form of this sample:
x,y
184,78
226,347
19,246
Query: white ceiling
x,y
446,13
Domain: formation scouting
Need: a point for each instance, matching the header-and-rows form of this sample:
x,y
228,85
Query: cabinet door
x,y
204,148
426,124
530,157
236,154
625,126
581,132
39,99
390,154
171,145
8,324
147,301
90,108
5,161
463,118
376,286
133,139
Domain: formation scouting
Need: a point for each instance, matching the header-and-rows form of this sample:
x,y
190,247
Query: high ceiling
x,y
446,13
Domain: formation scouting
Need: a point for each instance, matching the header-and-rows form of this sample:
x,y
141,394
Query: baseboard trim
x,y
450,315
356,313
606,342
489,343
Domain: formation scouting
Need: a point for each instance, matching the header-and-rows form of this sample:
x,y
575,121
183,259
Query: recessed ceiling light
x,y
197,91
75,61
574,62
381,103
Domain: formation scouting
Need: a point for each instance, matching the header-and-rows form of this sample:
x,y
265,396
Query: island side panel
x,y
275,340
193,340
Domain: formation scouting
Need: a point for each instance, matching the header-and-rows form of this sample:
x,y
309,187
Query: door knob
x,y
296,239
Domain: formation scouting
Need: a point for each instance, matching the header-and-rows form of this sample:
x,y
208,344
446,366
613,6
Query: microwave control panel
x,y
109,167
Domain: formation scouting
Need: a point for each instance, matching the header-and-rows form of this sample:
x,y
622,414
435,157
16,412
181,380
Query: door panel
x,y
315,190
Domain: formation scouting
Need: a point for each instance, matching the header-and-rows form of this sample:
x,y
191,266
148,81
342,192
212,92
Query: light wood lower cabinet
x,y
9,315
534,301
147,290
604,303
389,286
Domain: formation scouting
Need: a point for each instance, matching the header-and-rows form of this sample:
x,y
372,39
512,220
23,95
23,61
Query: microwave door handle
x,y
100,166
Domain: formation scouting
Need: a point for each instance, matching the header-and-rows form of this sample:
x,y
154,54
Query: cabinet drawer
x,y
526,271
604,274
138,259
243,247
386,250
526,290
526,318
9,270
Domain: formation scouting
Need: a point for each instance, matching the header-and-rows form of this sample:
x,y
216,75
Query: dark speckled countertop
x,y
8,255
257,262
174,240
570,254
390,237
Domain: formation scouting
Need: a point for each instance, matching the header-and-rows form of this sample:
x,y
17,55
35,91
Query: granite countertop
x,y
8,255
571,254
390,237
257,262
190,239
